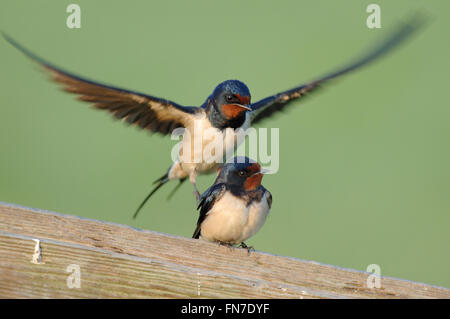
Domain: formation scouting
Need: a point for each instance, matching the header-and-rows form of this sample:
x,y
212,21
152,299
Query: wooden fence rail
x,y
50,255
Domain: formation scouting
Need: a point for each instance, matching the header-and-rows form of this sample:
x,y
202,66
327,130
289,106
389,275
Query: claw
x,y
226,245
249,248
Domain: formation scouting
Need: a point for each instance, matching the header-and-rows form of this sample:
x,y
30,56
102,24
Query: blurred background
x,y
364,172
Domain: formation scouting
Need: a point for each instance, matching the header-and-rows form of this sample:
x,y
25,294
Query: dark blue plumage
x,y
236,205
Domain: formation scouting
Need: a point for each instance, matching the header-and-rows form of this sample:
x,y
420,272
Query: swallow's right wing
x,y
206,201
278,102
147,112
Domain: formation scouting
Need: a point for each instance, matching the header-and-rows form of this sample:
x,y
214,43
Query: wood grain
x,y
118,261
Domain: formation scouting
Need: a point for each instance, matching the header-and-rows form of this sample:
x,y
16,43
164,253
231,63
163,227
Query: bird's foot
x,y
226,245
197,195
192,178
249,248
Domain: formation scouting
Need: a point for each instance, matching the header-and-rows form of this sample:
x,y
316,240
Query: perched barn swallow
x,y
227,109
236,206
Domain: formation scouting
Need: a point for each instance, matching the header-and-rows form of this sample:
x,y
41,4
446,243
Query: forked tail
x,y
159,182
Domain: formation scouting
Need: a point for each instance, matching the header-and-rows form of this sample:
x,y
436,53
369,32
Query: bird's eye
x,y
229,98
241,173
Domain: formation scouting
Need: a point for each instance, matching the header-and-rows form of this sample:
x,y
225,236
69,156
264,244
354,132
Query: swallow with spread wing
x,y
236,206
227,109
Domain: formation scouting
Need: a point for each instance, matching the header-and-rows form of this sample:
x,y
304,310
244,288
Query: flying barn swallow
x,y
227,109
236,206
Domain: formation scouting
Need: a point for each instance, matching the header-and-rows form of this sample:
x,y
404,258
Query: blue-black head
x,y
241,171
228,104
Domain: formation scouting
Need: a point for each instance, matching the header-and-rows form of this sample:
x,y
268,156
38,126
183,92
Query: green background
x,y
364,165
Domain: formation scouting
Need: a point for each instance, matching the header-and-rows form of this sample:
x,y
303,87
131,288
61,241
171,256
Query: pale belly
x,y
230,221
205,148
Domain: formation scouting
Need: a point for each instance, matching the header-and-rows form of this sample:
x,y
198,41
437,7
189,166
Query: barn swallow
x,y
227,109
236,206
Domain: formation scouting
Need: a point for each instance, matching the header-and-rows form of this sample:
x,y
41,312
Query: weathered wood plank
x,y
118,261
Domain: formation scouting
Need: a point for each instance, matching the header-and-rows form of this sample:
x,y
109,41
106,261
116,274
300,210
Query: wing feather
x,y
145,111
206,201
278,102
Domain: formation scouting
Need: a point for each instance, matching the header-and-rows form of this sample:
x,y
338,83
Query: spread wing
x,y
206,201
145,111
278,102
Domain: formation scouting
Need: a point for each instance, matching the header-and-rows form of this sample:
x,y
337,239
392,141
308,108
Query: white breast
x,y
231,221
206,153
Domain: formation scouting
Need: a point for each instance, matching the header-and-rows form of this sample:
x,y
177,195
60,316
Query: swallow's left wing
x,y
266,107
206,201
148,112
